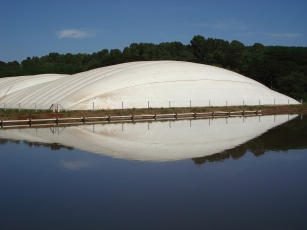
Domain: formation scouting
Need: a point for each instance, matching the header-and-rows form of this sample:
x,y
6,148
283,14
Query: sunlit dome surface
x,y
138,85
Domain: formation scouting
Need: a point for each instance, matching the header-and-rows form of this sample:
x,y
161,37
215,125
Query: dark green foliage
x,y
283,69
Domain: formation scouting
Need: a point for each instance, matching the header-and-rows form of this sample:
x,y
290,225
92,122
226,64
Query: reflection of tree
x,y
53,146
291,135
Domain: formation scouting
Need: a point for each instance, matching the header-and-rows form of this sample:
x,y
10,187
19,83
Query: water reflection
x,y
166,141
291,135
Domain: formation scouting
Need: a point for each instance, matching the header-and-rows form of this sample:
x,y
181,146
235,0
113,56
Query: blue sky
x,y
36,28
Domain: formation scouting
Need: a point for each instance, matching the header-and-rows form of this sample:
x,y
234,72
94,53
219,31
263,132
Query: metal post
x,y
93,105
122,105
35,107
259,102
169,104
148,104
226,103
209,103
19,107
243,102
4,107
274,101
288,101
190,103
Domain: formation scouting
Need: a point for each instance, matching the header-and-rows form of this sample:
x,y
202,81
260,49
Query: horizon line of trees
x,y
281,68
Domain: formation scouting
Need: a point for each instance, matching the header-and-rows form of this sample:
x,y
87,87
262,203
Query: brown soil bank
x,y
10,114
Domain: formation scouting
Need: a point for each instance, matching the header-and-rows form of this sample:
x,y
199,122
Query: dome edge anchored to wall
x,y
140,85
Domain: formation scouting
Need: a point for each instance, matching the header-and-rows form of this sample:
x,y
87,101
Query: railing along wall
x,y
127,118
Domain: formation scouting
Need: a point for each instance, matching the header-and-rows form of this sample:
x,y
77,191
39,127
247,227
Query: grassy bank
x,y
24,114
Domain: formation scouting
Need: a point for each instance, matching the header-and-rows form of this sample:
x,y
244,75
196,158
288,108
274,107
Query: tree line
x,y
283,69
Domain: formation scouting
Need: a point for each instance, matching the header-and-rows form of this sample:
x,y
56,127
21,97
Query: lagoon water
x,y
221,173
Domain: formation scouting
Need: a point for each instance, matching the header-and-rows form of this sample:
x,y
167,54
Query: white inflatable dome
x,y
143,84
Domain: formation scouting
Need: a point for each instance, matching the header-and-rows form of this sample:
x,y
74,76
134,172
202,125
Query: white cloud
x,y
283,35
73,33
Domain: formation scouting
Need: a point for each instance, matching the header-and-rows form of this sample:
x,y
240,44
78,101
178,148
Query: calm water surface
x,y
217,174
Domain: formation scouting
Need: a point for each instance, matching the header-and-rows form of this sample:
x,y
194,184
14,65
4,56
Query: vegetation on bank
x,y
283,69
25,114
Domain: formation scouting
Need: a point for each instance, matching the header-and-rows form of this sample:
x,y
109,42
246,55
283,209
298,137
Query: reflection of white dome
x,y
155,141
139,84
